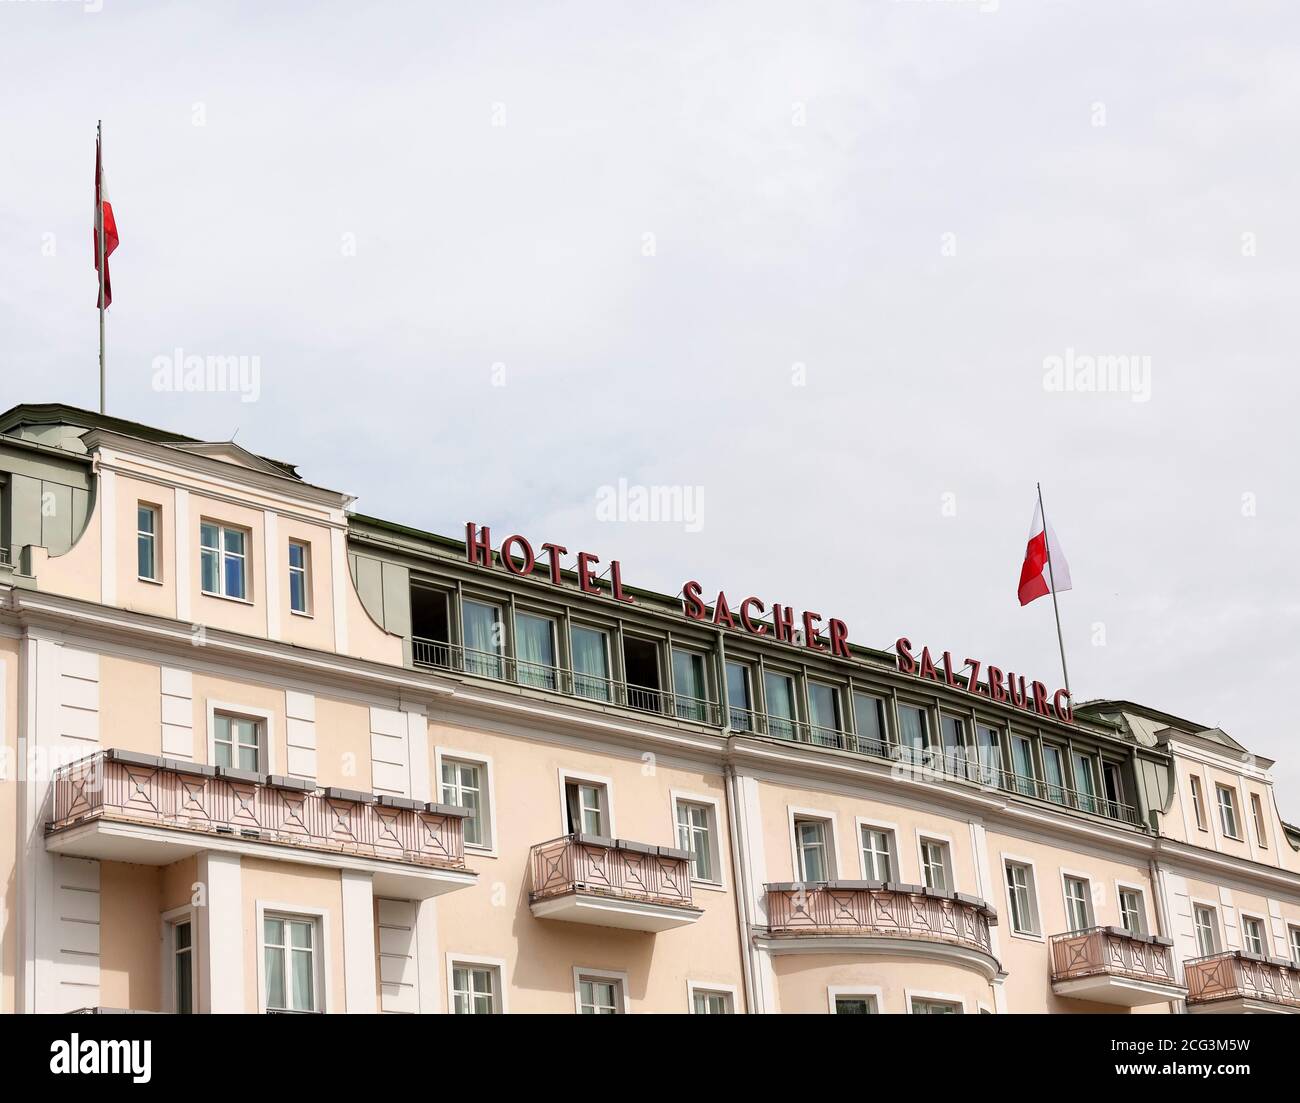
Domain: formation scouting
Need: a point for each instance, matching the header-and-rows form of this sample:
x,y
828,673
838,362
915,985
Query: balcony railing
x,y
943,763
615,868
1240,976
874,909
558,679
1113,952
124,787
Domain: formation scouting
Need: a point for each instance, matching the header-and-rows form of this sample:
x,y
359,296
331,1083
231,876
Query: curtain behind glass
x,y
590,664
482,639
535,651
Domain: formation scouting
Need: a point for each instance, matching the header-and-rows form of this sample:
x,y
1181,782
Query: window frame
x,y
1257,818
1293,939
500,995
581,973
246,558
487,794
1245,918
884,744
749,710
1089,908
945,845
795,816
913,995
155,539
306,571
890,831
710,988
266,719
714,806
1219,790
170,920
1198,802
1123,887
1035,934
874,993
322,987
579,778
1215,929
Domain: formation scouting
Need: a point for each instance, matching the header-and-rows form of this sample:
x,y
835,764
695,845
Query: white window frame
x,y
320,957
711,988
1196,794
1265,950
222,528
477,961
244,712
793,815
1089,903
156,537
1122,887
183,914
1035,935
719,880
487,794
949,858
581,973
873,992
910,994
567,776
1216,927
890,831
306,571
1219,789
1293,942
1257,818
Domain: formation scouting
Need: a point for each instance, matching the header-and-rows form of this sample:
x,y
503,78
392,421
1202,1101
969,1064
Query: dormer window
x,y
224,560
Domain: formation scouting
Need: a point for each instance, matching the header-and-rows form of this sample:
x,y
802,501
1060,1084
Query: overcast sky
x,y
813,259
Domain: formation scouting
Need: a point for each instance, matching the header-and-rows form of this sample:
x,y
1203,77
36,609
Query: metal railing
x,y
570,683
610,867
1112,951
123,786
1238,975
876,909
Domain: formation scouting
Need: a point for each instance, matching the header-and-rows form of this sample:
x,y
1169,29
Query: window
x,y
1054,773
590,663
1078,904
1207,930
535,651
705,1001
934,1007
690,686
912,733
1295,944
869,715
484,642
934,865
475,989
1252,934
695,832
1085,782
223,561
1112,780
585,807
824,703
855,1005
1257,814
146,542
739,700
1227,811
289,951
182,932
877,854
462,785
600,995
237,742
953,732
1198,802
779,689
810,846
299,568
1020,893
1132,916
1022,765
988,747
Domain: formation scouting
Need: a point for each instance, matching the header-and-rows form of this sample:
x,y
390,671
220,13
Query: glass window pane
x,y
211,577
867,712
738,697
208,536
824,703
590,663
303,981
535,650
234,577
780,705
911,732
234,541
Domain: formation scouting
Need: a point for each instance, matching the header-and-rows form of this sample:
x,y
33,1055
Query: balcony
x,y
1110,965
872,917
1241,983
612,883
126,807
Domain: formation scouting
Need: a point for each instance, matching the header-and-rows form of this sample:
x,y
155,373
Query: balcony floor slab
x,y
1120,991
609,911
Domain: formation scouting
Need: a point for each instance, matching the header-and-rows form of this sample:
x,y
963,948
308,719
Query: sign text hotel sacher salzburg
x,y
519,557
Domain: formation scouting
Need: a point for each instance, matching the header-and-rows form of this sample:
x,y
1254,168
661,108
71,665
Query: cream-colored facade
x,y
263,754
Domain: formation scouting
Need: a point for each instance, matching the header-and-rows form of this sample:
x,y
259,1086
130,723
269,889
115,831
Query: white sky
x,y
775,244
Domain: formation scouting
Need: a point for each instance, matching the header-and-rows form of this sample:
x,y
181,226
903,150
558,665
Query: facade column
x,y
358,943
221,935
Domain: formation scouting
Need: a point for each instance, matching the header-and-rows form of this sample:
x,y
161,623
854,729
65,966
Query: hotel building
x,y
264,754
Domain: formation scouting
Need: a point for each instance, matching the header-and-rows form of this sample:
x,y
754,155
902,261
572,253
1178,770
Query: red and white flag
x,y
1035,579
104,210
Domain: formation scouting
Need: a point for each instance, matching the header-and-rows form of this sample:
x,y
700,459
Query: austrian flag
x,y
103,219
1036,578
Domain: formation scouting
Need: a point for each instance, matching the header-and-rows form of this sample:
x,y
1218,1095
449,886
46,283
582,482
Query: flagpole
x,y
99,246
1060,639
